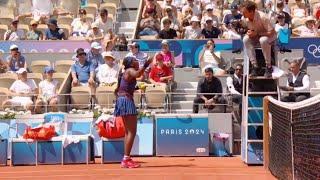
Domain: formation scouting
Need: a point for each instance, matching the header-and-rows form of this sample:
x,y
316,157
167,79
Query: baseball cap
x,y
209,6
108,54
80,51
14,47
281,15
94,25
234,7
133,44
21,70
48,69
95,45
195,19
32,22
207,18
165,42
53,22
14,21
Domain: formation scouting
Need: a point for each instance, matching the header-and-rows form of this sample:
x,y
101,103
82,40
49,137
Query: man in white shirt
x,y
235,86
298,83
102,21
14,34
22,91
108,73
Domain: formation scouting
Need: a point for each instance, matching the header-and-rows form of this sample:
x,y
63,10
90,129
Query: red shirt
x,y
157,72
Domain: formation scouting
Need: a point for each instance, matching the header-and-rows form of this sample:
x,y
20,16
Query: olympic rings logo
x,y
314,50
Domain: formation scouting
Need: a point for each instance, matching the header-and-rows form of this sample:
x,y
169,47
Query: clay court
x,y
152,168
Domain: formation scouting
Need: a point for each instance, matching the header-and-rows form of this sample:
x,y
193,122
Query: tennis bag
x,y
110,127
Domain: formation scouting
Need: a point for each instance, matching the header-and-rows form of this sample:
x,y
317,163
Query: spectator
x,y
102,21
167,32
141,57
212,3
41,10
121,43
149,25
48,90
108,73
80,26
260,30
82,71
167,4
281,23
235,85
298,13
151,6
34,33
210,59
232,32
94,56
316,11
193,31
175,24
228,18
208,91
310,29
298,83
111,48
210,31
95,34
22,91
280,9
13,33
53,32
208,13
195,9
186,17
168,57
160,74
15,60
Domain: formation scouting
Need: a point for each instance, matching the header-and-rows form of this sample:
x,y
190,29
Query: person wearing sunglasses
x,y
34,33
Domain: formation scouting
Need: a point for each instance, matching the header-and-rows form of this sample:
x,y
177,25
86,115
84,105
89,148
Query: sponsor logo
x,y
200,150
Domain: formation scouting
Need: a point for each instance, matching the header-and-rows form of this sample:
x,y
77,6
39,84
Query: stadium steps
x,y
127,16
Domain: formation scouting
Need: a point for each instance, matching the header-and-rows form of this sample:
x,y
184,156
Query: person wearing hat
x,y
150,25
160,74
108,73
80,26
168,57
95,34
193,31
140,56
48,90
208,13
281,23
94,56
210,31
298,11
235,15
15,60
34,33
22,91
175,24
83,71
54,32
310,29
280,9
13,33
195,9
168,5
167,32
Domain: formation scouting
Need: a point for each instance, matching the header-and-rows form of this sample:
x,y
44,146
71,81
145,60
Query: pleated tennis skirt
x,y
125,106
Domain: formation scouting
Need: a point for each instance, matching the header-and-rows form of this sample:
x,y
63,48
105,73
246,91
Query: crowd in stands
x,y
202,19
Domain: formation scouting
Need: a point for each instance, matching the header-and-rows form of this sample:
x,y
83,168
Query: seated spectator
x,y
175,24
54,32
149,25
213,3
34,33
281,24
280,10
298,83
207,88
41,10
13,33
193,31
316,11
235,85
108,73
210,31
15,60
95,34
210,59
80,26
110,36
232,32
111,48
82,71
168,57
121,43
167,32
208,13
48,90
140,56
298,13
94,56
195,9
152,5
186,17
22,91
102,21
167,4
310,29
228,18
161,74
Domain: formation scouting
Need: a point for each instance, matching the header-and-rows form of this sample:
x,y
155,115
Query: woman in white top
x,y
310,29
80,26
47,91
298,12
22,89
193,31
108,73
209,58
102,21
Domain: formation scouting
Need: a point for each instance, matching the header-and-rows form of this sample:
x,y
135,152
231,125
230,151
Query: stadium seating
x,y
4,95
37,77
105,96
3,30
60,77
38,66
63,66
155,96
7,79
81,97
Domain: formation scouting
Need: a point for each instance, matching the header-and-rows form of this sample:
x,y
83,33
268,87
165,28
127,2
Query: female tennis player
x,y
125,106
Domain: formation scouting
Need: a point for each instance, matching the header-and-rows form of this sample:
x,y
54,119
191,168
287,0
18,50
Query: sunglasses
x,y
82,54
238,69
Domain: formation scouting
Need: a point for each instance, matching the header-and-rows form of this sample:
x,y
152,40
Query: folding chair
x,y
105,96
81,97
